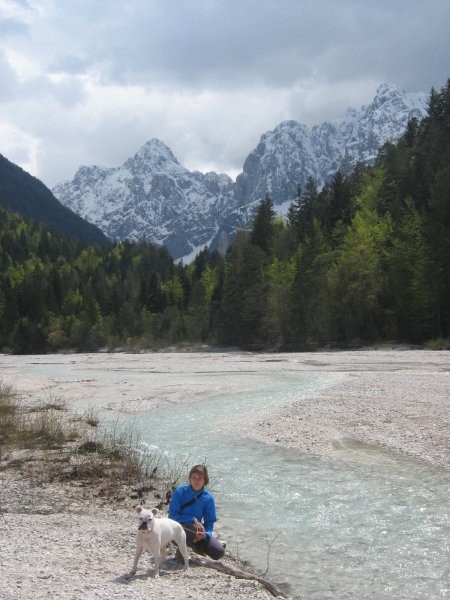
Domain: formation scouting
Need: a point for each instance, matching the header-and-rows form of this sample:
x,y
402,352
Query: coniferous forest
x,y
364,260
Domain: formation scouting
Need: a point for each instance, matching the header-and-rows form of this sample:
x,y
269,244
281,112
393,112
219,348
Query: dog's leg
x,y
137,556
184,554
180,539
157,558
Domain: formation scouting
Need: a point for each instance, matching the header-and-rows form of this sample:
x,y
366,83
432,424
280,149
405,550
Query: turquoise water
x,y
364,523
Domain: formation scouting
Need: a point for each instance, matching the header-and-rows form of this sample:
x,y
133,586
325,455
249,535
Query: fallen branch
x,y
218,566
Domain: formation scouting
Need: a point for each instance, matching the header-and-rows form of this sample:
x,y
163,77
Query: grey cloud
x,y
243,66
11,27
232,44
9,84
236,44
69,64
68,92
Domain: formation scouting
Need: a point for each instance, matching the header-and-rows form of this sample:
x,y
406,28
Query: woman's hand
x,y
200,533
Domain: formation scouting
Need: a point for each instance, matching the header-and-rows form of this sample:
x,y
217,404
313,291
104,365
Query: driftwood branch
x,y
228,570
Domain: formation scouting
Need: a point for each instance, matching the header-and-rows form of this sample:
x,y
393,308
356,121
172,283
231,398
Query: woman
x,y
193,506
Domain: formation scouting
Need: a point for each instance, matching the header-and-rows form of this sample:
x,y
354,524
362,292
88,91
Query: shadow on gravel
x,y
169,568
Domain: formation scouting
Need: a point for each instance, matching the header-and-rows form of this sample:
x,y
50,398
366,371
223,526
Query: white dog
x,y
154,534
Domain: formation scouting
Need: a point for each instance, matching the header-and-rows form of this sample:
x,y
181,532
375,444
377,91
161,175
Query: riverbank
x,y
68,520
60,541
397,400
57,543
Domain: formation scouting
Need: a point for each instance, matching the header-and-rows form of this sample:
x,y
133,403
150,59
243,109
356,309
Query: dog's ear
x,y
155,511
138,509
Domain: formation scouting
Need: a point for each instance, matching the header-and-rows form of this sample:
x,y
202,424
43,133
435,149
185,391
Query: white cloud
x,y
15,11
23,148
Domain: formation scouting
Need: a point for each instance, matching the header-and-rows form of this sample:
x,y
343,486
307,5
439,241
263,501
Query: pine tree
x,y
262,231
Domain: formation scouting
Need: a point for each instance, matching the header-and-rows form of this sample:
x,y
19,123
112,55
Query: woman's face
x,y
197,481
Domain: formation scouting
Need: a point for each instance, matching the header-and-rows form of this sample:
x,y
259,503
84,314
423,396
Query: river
x,y
364,523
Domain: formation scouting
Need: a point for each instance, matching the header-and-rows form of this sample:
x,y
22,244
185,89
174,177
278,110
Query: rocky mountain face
x,y
152,196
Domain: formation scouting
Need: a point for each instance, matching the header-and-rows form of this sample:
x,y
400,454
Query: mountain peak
x,y
397,100
154,152
152,196
388,88
155,146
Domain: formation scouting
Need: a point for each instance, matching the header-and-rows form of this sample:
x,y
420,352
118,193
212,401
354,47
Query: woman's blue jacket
x,y
204,509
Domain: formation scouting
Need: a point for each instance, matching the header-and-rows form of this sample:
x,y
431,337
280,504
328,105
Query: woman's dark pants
x,y
212,547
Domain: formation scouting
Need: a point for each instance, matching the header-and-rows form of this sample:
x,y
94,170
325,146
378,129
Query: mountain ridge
x,y
153,196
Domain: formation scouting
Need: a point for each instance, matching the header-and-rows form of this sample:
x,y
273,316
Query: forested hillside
x,y
364,260
23,193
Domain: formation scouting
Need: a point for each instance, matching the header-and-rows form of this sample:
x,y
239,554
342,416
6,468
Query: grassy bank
x,y
48,443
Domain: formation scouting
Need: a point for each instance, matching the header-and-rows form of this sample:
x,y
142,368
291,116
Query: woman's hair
x,y
202,470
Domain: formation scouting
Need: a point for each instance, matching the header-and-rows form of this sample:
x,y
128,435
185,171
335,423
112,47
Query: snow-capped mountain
x,y
288,155
152,196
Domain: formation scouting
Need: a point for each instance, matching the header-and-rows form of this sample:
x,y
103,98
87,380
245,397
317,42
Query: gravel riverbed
x,y
57,543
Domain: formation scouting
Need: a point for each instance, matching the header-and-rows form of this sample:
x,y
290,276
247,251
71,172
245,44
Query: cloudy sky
x,y
90,81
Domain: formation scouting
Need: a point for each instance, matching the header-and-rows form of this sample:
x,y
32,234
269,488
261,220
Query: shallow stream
x,y
365,523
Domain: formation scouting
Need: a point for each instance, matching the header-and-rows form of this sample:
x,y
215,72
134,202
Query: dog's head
x,y
146,518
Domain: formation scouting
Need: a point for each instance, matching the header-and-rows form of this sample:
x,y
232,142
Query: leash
x,y
186,528
189,529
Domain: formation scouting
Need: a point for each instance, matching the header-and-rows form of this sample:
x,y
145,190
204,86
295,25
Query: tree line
x,y
366,259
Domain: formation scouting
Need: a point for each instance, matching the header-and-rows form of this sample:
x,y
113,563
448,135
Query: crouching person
x,y
193,506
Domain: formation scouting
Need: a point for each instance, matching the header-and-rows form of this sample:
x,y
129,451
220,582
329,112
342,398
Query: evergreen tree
x,y
263,225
